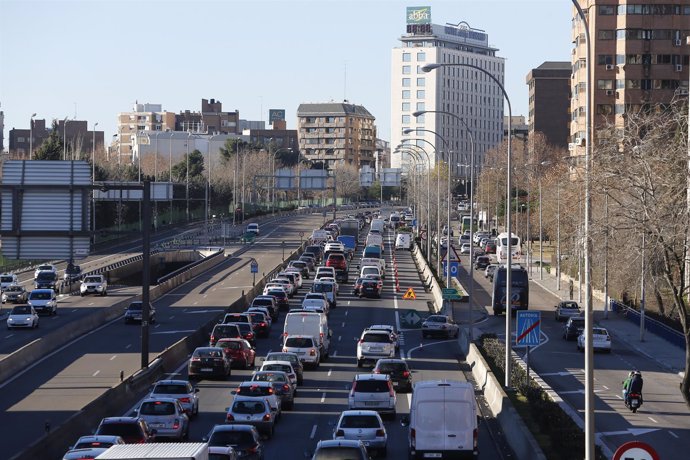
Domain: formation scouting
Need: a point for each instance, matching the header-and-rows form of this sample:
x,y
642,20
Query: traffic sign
x,y
451,293
411,319
528,328
410,295
635,450
254,266
454,267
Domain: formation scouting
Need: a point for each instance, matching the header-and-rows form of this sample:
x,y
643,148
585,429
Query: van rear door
x,y
459,426
429,423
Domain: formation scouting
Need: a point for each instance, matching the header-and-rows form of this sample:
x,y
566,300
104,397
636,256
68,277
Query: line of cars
x,y
570,312
30,304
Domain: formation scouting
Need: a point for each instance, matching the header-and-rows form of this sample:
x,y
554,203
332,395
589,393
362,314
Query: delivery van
x,y
443,420
403,241
372,251
311,324
378,225
374,261
374,239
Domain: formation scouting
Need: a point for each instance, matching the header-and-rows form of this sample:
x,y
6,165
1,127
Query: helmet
x,y
637,373
631,373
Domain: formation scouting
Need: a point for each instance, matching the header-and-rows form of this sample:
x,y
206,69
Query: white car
x,y
374,345
388,328
318,304
465,248
305,347
45,268
328,279
253,228
275,286
22,316
260,391
94,284
91,446
43,301
282,366
601,340
263,310
289,287
7,280
364,425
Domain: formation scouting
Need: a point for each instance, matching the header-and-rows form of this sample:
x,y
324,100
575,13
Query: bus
x,y
519,292
465,224
502,248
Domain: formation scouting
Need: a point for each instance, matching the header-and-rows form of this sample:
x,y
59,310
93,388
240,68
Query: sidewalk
x,y
666,354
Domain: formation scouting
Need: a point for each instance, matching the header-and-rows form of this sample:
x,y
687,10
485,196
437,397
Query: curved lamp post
x,y
273,196
508,358
428,197
31,136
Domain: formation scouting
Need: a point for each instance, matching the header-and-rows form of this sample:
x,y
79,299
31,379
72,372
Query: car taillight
x,y
250,335
229,418
312,352
286,387
196,358
267,418
213,339
377,371
475,436
380,433
285,350
252,450
176,424
406,373
184,400
391,391
340,433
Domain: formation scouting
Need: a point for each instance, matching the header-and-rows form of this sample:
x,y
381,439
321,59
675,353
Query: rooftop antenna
x,y
345,83
75,110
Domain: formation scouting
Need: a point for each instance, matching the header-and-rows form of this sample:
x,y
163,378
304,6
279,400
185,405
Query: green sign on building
x,y
419,15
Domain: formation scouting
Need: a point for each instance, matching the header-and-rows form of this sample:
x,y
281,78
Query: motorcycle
x,y
634,402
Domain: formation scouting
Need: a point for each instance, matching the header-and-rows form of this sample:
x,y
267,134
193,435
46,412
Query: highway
x,y
662,421
66,380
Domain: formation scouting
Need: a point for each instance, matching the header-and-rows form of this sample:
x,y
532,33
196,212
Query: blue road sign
x,y
454,268
254,267
414,222
528,328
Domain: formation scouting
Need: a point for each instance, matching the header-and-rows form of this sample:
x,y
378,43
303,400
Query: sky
x,y
94,59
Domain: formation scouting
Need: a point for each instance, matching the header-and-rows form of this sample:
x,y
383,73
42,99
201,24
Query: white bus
x,y
502,248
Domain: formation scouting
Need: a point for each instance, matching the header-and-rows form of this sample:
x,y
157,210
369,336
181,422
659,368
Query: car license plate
x,y
432,455
377,349
206,369
371,403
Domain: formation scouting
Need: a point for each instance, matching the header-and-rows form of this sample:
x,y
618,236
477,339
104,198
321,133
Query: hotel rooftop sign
x,y
419,15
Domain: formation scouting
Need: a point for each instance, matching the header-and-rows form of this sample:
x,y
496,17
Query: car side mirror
x,y
196,390
233,392
204,439
153,431
405,420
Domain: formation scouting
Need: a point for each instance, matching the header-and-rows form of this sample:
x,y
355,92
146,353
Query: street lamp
x,y
93,179
64,138
273,196
541,234
508,357
428,194
189,139
31,136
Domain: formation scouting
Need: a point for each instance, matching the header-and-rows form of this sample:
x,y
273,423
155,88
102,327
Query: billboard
x,y
160,191
390,177
419,15
276,115
313,179
285,179
366,176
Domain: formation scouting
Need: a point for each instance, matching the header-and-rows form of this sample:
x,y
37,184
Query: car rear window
x,y
230,345
229,438
371,386
248,407
157,408
359,421
170,389
299,342
276,367
338,453
268,377
255,390
126,430
281,357
376,338
391,367
93,445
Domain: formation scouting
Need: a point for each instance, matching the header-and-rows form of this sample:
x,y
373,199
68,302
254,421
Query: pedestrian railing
x,y
652,325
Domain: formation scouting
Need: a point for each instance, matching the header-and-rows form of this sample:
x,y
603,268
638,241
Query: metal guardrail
x,y
189,266
652,325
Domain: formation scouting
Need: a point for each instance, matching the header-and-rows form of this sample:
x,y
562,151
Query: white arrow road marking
x,y
113,357
96,373
629,431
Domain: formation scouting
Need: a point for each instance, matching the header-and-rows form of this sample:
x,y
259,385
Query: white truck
x,y
311,324
157,451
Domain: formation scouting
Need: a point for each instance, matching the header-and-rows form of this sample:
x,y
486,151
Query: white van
x,y
374,239
378,225
309,324
443,419
403,241
370,270
381,263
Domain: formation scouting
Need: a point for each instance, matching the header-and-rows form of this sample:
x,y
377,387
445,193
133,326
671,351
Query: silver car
x,y
365,426
372,391
282,386
252,411
185,393
166,416
15,294
91,446
440,325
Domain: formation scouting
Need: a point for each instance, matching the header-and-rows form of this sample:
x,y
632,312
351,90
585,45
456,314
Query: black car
x,y
134,312
132,430
281,298
269,302
481,262
247,331
399,372
209,361
244,439
224,331
72,273
46,280
317,250
370,288
260,322
573,327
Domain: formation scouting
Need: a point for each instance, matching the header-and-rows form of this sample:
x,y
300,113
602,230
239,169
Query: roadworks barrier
x,y
426,273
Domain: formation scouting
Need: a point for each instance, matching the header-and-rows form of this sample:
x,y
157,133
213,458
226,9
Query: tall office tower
x,y
639,58
463,91
549,102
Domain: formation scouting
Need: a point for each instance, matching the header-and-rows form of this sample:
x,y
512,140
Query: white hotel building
x,y
463,91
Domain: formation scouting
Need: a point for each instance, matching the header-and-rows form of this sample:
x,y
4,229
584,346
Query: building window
x,y
420,119
420,106
604,59
421,81
604,109
606,10
605,34
421,57
620,109
406,94
21,139
407,57
406,69
604,84
405,118
421,94
406,106
406,82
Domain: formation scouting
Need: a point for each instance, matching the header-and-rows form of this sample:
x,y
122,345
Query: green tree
x,y
52,148
196,167
230,149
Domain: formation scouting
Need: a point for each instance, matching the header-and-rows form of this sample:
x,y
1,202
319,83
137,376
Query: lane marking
x,y
335,353
343,325
95,373
113,357
346,312
313,432
650,418
673,434
409,353
348,302
75,310
128,346
340,337
173,316
323,397
330,371
12,335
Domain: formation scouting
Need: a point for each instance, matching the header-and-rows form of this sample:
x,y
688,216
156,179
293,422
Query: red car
x,y
337,261
281,298
241,352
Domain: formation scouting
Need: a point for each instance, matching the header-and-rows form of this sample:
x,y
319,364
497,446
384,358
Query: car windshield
x,y
371,386
359,421
157,408
377,338
7,279
338,453
276,367
21,310
13,289
135,306
46,276
92,279
170,389
577,322
42,295
269,377
231,438
248,407
299,342
436,319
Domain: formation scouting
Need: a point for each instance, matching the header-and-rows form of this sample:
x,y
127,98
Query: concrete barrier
x,y
514,429
426,274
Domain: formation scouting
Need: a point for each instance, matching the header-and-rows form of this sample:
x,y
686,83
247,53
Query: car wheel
x,y
246,363
424,335
359,363
383,452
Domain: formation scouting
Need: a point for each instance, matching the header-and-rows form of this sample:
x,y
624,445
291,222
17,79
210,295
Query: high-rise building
x,y
78,138
460,90
639,58
549,101
336,132
143,118
211,119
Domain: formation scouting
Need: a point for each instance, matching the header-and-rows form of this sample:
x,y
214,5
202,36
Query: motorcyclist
x,y
626,386
633,385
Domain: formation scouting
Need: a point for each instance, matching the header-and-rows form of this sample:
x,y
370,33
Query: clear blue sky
x,y
103,55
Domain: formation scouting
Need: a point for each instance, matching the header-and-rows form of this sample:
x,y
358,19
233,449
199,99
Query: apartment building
x,y
79,140
459,89
549,102
639,58
211,119
336,132
142,118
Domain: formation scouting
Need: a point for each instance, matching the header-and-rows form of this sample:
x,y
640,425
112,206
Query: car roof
x,y
329,443
172,382
347,413
120,420
232,427
372,377
99,438
278,362
256,383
